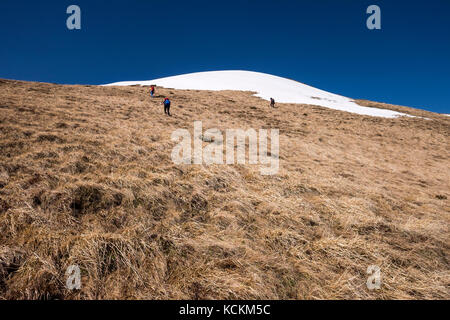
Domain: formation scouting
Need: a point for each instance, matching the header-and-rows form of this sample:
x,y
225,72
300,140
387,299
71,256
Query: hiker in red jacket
x,y
152,91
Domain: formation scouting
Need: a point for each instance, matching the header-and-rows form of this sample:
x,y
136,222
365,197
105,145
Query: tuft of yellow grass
x,y
86,179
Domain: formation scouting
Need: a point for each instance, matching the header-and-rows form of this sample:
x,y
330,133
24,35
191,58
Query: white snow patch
x,y
266,86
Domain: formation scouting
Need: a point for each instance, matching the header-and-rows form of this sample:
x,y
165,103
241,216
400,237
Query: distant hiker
x,y
152,91
272,102
166,106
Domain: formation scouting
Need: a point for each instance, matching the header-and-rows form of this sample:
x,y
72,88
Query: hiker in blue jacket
x,y
272,102
167,106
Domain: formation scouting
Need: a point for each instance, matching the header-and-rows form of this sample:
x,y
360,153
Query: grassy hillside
x,y
86,178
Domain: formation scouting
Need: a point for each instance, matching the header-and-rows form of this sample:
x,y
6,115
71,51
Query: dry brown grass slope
x,y
86,178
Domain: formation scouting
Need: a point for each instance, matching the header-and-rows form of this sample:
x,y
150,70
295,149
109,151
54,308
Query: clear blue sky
x,y
323,43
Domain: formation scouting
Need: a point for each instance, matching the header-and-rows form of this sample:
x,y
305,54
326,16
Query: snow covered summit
x,y
266,86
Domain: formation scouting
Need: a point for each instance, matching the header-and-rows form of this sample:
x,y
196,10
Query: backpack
x,y
167,102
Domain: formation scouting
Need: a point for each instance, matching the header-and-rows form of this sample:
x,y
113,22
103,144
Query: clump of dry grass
x,y
86,178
